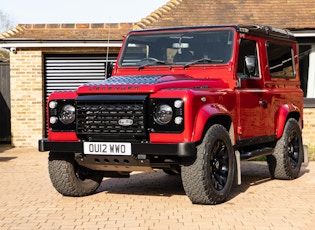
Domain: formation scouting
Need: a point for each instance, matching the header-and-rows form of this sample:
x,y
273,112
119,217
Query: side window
x,y
247,49
280,60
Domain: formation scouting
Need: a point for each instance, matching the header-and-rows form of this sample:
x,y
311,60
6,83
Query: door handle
x,y
263,103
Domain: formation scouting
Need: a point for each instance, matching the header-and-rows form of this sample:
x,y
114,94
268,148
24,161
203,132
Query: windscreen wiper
x,y
202,60
149,61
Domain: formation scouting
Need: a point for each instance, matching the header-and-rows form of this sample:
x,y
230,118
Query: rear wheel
x,y
71,179
286,161
208,178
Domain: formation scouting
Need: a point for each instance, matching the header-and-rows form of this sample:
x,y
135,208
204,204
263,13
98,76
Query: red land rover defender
x,y
192,101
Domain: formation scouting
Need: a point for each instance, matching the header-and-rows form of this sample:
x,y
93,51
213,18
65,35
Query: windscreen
x,y
178,48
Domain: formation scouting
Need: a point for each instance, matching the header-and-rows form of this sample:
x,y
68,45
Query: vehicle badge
x,y
125,122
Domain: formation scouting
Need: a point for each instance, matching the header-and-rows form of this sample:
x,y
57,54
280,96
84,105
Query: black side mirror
x,y
250,65
109,69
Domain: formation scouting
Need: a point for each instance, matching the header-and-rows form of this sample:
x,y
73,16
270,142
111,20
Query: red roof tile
x,y
69,31
277,13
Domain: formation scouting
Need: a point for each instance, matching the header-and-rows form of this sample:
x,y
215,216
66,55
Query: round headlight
x,y
67,114
163,114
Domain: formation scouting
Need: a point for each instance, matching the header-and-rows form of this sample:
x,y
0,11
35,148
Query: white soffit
x,y
302,34
48,44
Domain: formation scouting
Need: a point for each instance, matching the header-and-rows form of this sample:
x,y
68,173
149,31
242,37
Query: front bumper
x,y
186,149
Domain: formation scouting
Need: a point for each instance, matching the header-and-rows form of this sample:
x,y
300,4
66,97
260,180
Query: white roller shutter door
x,y
67,72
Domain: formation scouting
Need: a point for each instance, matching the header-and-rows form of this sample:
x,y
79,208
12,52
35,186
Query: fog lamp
x,y
53,104
178,120
178,104
53,120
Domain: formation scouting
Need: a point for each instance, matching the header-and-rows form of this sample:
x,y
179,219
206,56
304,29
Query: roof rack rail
x,y
266,31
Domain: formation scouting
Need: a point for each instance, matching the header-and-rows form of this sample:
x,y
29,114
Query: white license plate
x,y
107,148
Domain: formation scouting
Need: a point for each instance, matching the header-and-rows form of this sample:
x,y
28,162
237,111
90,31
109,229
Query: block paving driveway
x,y
149,200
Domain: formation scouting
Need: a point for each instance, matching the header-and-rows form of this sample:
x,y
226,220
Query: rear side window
x,y
280,60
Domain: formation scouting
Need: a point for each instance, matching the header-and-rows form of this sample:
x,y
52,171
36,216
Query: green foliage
x,y
311,153
263,158
4,55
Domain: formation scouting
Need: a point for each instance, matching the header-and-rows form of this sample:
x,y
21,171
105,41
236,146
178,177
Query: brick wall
x,y
309,127
26,97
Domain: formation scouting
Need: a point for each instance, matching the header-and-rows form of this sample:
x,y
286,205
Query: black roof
x,y
266,31
258,30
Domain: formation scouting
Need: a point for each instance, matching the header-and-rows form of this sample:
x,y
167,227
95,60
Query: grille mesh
x,y
99,120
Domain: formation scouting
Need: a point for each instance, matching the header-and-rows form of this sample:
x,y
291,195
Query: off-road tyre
x,y
71,179
286,160
208,178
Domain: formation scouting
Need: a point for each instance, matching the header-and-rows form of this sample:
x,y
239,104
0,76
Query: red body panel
x,y
62,136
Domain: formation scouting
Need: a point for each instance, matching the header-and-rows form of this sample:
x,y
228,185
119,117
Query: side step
x,y
256,153
248,156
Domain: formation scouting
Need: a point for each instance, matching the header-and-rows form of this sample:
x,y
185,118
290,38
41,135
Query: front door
x,y
254,102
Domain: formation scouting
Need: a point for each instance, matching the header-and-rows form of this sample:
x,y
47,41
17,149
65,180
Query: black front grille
x,y
110,117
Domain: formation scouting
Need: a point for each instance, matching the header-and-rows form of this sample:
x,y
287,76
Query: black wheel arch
x,y
296,116
220,119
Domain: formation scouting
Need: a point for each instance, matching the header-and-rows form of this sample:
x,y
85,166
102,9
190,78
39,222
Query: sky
x,y
78,11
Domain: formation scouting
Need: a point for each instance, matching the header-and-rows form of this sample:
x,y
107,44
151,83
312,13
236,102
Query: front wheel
x,y
208,178
285,163
71,179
